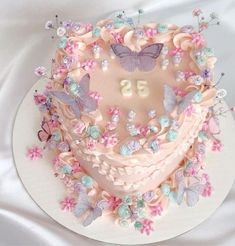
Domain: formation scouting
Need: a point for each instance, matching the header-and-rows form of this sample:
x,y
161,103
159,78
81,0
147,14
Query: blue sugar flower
x,y
162,28
93,131
171,135
63,42
164,121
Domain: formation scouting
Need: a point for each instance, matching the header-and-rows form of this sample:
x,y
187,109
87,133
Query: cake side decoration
x,y
129,111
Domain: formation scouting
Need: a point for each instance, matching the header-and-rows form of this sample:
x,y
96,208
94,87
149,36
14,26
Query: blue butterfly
x,y
82,101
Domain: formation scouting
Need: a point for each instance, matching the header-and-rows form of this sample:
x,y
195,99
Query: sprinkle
x,y
109,140
104,65
34,153
217,145
93,131
195,79
152,113
60,31
87,181
146,226
154,145
221,93
162,28
164,121
198,97
165,188
68,204
156,210
49,25
114,202
187,29
197,12
114,111
124,211
131,115
40,71
171,135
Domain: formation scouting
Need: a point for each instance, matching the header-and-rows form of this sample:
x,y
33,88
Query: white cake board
x,y
46,190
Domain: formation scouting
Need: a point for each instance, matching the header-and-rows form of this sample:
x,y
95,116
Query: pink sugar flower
x,y
189,110
217,145
118,38
67,181
176,51
114,111
156,210
40,71
68,204
179,92
39,98
197,12
91,143
143,130
205,126
150,32
70,47
88,64
204,178
79,128
34,153
76,167
203,25
146,226
110,126
96,96
114,202
109,140
208,189
198,40
88,27
188,74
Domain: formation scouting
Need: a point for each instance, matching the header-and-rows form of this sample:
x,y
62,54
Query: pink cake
x,y
128,112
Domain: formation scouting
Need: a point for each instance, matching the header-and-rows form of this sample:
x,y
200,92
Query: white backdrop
x,y
24,44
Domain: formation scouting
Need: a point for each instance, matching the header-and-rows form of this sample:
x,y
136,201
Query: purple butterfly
x,y
192,191
83,205
145,60
170,100
82,102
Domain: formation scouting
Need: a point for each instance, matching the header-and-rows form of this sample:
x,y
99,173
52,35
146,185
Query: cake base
x,y
47,191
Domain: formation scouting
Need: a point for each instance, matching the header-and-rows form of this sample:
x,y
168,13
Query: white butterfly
x,y
83,205
170,100
191,192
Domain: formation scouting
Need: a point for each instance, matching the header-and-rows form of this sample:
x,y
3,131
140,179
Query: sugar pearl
x,y
177,59
152,114
96,51
180,76
131,115
104,65
164,64
164,51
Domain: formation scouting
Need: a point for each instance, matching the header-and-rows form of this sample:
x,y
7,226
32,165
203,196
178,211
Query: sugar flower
x,y
34,153
40,71
68,204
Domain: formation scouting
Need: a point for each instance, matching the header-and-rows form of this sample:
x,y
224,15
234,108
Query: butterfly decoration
x,y
83,205
170,100
213,125
82,102
145,60
44,135
191,192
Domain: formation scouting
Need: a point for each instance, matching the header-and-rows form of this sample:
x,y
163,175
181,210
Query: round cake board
x,y
47,191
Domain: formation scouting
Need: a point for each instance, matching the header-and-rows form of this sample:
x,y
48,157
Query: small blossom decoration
x,y
217,145
40,71
68,204
146,226
34,153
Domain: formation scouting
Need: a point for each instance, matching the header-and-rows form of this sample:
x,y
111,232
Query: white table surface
x,y
24,44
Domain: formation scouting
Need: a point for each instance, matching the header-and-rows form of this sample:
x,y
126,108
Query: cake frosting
x,y
128,112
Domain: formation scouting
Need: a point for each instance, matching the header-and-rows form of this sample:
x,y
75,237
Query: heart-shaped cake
x,y
128,112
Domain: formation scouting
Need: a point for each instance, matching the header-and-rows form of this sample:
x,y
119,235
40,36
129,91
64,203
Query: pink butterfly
x,y
44,134
145,60
213,125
